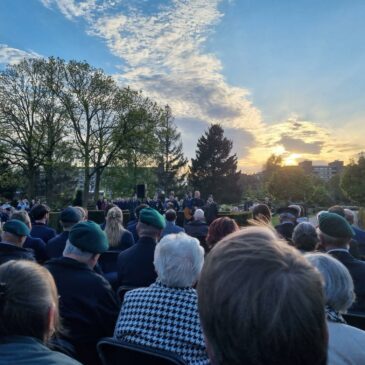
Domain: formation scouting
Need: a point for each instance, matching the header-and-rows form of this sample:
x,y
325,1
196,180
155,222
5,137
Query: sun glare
x,y
291,160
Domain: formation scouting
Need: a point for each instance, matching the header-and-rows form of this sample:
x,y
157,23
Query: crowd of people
x,y
209,292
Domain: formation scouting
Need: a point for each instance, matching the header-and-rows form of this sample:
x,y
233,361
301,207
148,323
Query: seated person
x,y
88,305
305,237
220,228
12,239
165,315
29,315
36,244
40,215
261,213
346,343
288,221
135,265
243,276
132,224
198,228
171,226
68,218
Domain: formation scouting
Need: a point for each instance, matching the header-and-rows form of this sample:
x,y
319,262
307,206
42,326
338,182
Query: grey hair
x,y
70,249
178,260
144,230
305,236
199,215
349,215
338,284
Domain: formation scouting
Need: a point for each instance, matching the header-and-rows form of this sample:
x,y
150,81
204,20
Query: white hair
x,y
199,215
178,260
338,284
70,249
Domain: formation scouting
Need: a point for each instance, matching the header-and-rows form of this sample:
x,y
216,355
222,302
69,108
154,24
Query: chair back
x,y
108,261
113,352
355,320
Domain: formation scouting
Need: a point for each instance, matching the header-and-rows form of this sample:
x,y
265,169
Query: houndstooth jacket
x,y
164,318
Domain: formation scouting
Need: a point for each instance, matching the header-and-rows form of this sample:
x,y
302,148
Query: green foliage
x,y
214,170
353,180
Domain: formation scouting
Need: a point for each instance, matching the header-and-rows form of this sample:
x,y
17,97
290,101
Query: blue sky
x,y
280,76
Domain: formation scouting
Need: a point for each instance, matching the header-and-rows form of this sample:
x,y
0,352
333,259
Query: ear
x,y
51,319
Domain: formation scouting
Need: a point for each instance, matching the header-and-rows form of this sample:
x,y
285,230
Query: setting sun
x,y
291,160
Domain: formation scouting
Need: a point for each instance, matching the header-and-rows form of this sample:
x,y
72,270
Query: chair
x,y
355,320
123,289
113,352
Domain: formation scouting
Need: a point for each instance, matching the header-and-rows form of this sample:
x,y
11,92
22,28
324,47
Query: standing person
x,y
197,202
210,210
88,305
40,229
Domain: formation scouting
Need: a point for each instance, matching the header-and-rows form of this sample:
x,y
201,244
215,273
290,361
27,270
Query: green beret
x,y
152,217
334,225
70,215
89,237
16,227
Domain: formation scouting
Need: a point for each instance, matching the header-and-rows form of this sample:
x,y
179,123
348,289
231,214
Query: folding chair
x,y
355,320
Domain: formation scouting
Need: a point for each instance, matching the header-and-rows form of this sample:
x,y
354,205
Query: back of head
x,y
23,216
261,302
261,212
199,215
338,284
305,237
337,209
220,228
170,215
114,226
139,208
27,293
350,216
39,211
178,260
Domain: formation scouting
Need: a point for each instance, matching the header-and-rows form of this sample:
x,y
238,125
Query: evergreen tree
x,y
170,157
214,170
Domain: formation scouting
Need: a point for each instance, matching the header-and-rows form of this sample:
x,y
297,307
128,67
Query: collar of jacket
x,y
69,262
8,247
146,240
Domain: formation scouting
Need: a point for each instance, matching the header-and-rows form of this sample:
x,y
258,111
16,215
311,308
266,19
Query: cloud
x,y
299,146
12,56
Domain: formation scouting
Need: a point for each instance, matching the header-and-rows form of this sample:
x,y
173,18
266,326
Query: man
x,y
135,265
171,226
88,304
261,302
68,218
12,240
172,202
359,233
335,235
197,228
132,224
36,244
197,202
288,220
40,216
211,210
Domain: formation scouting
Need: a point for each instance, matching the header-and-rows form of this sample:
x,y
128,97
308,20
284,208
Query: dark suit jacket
x,y
42,231
39,248
357,271
135,265
56,245
11,252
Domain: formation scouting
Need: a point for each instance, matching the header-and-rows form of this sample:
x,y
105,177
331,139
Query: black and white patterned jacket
x,y
164,318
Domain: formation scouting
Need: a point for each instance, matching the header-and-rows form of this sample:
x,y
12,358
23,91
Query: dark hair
x,y
261,302
261,212
220,228
27,292
337,209
39,211
305,237
170,215
139,208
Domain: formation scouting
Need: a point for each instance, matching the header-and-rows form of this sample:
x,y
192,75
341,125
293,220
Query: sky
x,y
281,76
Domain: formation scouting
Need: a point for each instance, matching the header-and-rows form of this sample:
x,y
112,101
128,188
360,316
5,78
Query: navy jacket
x,y
357,271
132,227
22,350
11,252
41,230
197,229
135,265
171,227
56,245
39,248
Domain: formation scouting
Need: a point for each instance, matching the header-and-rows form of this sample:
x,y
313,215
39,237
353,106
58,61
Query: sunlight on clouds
x,y
12,56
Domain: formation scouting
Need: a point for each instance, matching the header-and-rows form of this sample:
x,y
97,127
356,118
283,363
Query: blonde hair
x,y
114,226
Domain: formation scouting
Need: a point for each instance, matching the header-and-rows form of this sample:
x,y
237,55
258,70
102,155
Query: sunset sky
x,y
281,76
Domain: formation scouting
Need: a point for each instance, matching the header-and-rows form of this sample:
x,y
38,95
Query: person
x,y
40,216
305,237
288,221
345,342
335,234
68,218
220,228
198,228
197,202
135,265
29,315
132,224
359,236
171,226
12,240
118,237
165,315
242,277
84,213
36,244
23,204
172,203
261,213
210,210
88,305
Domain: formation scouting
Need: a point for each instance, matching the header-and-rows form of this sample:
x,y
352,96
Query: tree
x,y
214,170
273,164
170,158
353,180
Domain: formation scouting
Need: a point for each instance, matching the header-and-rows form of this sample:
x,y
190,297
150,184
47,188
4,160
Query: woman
x,y
29,315
261,213
305,237
220,228
165,314
346,343
119,238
